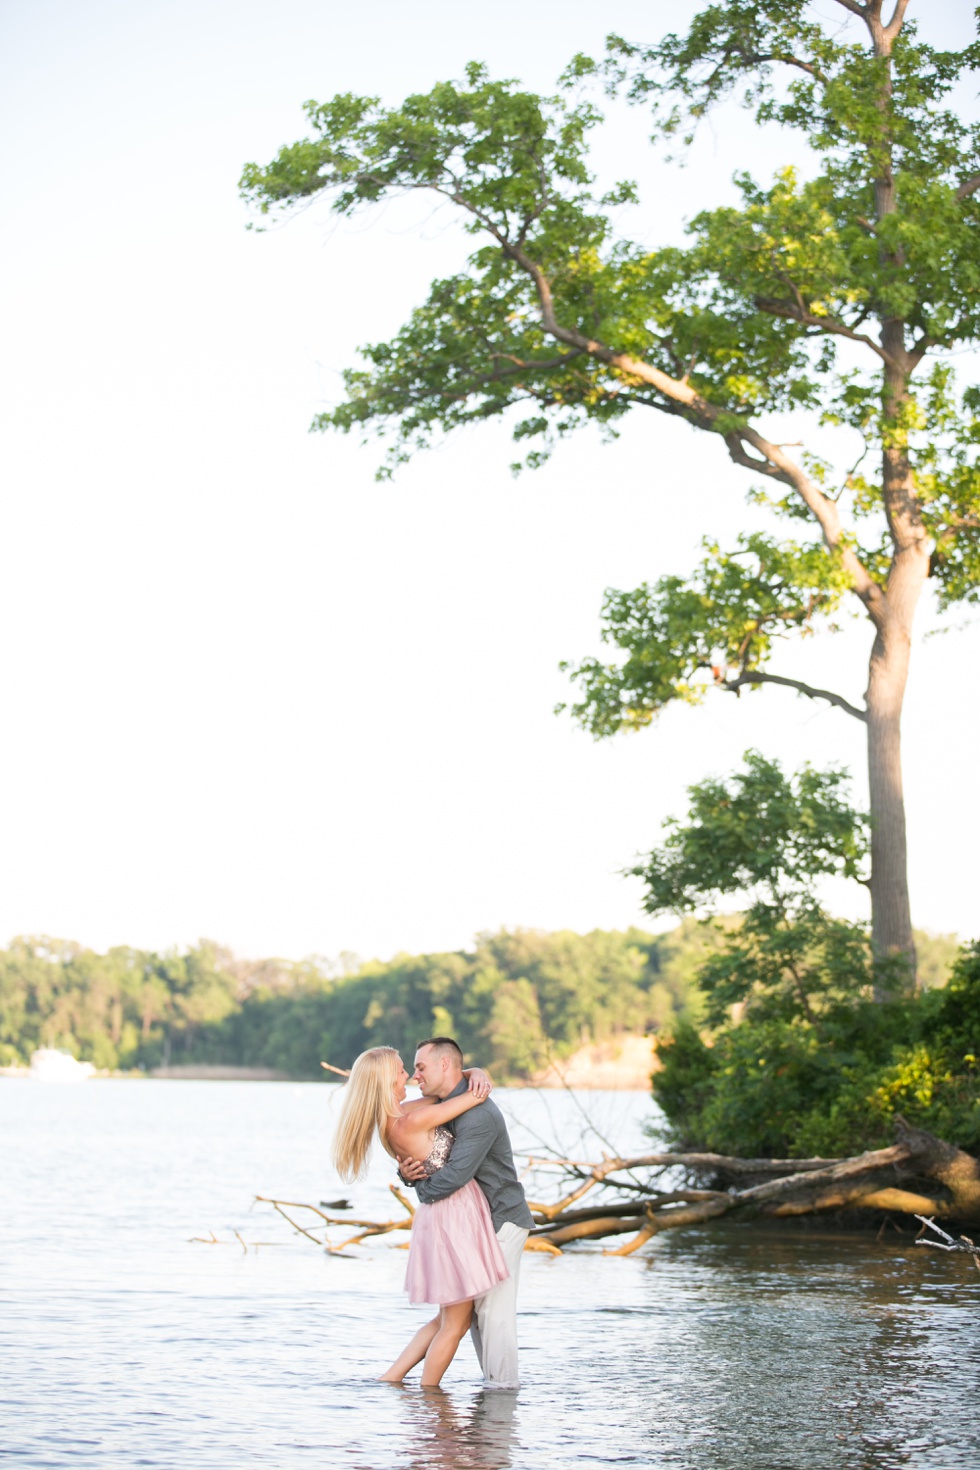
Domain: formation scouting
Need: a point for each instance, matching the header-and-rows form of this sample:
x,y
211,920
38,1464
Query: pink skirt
x,y
454,1254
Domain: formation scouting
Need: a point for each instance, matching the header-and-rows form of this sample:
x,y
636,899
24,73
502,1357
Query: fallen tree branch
x,y
277,1206
723,1165
366,1228
964,1243
265,1199
918,1175
595,1229
212,1239
636,1207
646,1230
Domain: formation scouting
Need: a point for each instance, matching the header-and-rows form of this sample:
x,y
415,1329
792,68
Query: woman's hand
x,y
481,1082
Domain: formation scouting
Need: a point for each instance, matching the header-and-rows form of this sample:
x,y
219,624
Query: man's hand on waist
x,y
411,1170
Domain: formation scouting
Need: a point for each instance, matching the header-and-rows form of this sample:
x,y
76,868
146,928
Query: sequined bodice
x,y
442,1143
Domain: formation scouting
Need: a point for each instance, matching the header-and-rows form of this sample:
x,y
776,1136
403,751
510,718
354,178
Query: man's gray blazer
x,y
482,1152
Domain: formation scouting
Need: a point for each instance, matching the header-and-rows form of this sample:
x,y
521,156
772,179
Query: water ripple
x,y
121,1344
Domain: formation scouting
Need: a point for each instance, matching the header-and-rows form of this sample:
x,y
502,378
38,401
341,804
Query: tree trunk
x,y
893,617
891,915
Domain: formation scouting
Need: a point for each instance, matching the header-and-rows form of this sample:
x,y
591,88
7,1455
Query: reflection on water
x,y
730,1349
446,1432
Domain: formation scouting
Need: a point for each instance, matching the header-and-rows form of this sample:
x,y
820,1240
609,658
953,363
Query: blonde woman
x,y
454,1254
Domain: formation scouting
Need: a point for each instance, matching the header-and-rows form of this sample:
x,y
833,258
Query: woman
x,y
454,1255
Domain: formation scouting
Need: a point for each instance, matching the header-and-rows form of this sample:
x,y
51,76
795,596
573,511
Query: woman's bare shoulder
x,y
403,1124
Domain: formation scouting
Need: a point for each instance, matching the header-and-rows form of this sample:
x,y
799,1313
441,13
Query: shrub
x,y
832,1085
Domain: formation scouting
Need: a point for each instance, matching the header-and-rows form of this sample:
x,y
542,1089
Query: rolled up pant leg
x,y
494,1329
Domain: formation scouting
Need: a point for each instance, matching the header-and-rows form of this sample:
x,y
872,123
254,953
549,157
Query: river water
x,y
124,1343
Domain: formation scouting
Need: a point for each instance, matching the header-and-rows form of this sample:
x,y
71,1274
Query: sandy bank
x,y
625,1063
200,1073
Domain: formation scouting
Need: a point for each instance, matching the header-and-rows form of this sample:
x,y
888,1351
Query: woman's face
x,y
401,1078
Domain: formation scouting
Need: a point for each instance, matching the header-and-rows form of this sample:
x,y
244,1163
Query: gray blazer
x,y
482,1152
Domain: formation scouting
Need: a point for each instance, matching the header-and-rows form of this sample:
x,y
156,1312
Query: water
x,y
123,1344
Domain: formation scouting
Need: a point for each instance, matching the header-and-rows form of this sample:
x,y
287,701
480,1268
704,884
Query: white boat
x,y
49,1065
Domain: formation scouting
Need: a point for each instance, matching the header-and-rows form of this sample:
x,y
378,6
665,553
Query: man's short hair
x,y
444,1046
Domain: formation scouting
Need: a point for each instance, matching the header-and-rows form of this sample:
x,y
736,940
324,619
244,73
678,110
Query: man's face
x,y
430,1072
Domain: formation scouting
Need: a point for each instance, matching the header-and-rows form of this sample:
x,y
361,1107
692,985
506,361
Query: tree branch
x,y
752,58
522,364
920,347
895,24
970,187
740,455
957,523
699,410
795,311
730,1165
755,676
778,466
964,1243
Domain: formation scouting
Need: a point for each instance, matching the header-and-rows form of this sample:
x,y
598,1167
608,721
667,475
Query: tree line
x,y
514,1000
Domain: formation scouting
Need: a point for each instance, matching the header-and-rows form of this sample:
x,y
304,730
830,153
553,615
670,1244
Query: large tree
x,y
842,292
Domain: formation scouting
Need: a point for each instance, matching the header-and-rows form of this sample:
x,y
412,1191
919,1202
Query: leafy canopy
x,y
716,628
811,292
767,838
760,833
516,166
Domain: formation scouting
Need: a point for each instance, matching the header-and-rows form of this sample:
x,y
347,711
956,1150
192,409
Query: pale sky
x,y
250,694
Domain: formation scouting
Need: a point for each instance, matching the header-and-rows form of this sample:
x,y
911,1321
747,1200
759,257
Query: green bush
x,y
834,1084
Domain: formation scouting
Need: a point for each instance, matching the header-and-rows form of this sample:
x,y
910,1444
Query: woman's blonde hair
x,y
369,1101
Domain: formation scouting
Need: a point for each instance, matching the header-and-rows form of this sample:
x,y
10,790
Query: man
x,y
482,1152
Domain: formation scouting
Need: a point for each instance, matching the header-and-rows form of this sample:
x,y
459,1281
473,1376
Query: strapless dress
x,y
454,1254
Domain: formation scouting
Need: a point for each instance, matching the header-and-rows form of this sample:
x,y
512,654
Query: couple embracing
x,y
472,1220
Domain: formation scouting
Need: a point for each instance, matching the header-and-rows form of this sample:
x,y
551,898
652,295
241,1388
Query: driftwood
x,y
964,1243
319,1234
919,1175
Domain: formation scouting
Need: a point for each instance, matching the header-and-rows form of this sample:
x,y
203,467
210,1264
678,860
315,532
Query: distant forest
x,y
514,1001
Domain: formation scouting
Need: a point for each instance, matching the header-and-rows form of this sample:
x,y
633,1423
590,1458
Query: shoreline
x,y
624,1064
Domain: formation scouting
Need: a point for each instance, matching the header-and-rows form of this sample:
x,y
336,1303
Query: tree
x,y
841,293
798,1057
769,838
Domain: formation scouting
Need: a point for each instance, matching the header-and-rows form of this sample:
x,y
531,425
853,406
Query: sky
x,y
253,695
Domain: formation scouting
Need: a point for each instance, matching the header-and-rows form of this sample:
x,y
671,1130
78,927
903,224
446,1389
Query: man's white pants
x,y
494,1329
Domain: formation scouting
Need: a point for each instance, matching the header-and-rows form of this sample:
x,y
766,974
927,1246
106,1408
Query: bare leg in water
x,y
436,1342
454,1324
414,1353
